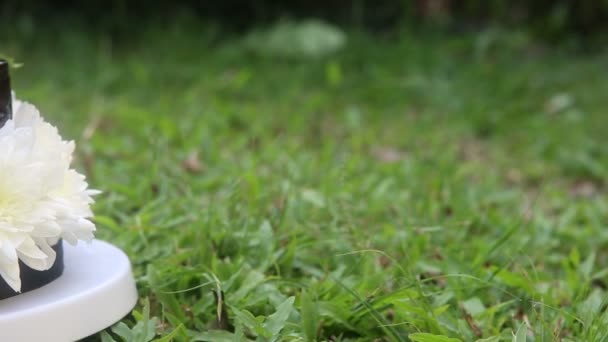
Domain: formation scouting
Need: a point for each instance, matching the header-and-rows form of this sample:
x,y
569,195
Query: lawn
x,y
406,187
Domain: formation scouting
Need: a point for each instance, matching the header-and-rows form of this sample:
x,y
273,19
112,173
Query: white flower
x,y
41,198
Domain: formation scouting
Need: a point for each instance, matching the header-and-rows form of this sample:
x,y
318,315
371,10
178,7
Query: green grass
x,y
402,186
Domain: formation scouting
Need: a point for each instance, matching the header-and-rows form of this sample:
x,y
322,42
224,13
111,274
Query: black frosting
x,y
6,109
32,279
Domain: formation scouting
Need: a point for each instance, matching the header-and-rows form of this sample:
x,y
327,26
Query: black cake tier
x,y
32,279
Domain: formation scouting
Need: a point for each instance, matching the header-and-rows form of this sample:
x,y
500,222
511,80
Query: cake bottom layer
x,y
32,279
95,291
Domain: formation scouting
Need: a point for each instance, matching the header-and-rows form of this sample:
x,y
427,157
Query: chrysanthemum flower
x,y
41,198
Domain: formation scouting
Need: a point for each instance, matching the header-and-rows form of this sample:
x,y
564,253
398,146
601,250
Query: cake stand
x,y
95,291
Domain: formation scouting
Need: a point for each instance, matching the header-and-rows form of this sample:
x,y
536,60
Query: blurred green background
x,y
340,171
551,19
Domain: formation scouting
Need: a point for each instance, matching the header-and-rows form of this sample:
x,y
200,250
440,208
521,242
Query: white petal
x,y
33,256
9,271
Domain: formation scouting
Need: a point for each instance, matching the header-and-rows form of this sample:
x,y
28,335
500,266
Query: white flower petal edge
x,y
41,198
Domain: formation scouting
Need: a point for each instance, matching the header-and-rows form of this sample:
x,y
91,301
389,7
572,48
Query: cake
x,y
43,201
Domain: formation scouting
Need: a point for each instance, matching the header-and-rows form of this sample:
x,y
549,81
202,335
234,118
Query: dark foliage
x,y
548,18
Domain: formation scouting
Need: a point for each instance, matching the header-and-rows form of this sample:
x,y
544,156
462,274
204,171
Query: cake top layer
x,y
42,199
